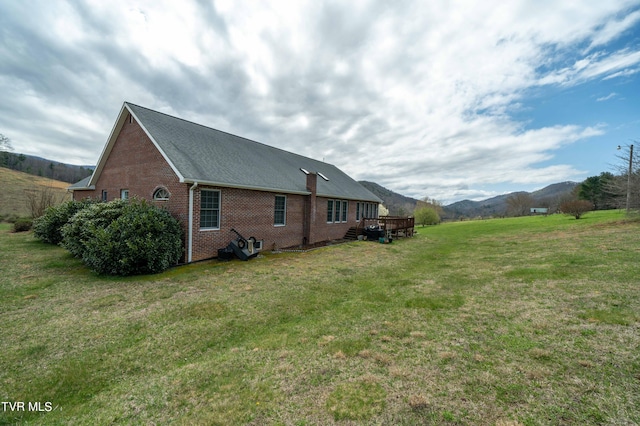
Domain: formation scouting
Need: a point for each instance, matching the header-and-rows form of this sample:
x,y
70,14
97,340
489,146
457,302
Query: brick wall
x,y
333,231
251,213
136,165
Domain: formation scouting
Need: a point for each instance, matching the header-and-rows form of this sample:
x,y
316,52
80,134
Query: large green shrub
x,y
82,226
426,216
48,227
125,238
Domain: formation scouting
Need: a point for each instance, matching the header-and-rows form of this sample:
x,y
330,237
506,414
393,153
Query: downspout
x,y
190,243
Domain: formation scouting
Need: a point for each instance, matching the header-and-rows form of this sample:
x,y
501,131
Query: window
x,y
209,209
369,210
358,212
124,194
280,211
161,194
337,211
104,195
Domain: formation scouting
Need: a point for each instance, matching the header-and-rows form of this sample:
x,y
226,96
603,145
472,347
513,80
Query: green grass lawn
x,y
513,321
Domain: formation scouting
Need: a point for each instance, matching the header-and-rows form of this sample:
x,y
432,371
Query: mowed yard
x,y
501,322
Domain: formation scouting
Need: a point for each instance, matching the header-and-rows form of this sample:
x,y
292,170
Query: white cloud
x,y
606,98
613,28
417,96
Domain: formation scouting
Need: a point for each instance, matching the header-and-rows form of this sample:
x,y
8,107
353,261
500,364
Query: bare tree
x,y
40,199
5,150
431,203
519,204
576,208
5,143
626,185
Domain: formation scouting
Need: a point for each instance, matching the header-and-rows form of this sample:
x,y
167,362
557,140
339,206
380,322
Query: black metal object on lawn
x,y
242,247
374,232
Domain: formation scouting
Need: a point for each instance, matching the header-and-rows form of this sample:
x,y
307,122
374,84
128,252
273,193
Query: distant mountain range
x,y
496,206
398,205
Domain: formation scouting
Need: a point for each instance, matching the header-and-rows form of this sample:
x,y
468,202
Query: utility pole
x,y
629,178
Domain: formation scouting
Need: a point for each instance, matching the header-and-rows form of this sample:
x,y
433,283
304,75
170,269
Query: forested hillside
x,y
42,167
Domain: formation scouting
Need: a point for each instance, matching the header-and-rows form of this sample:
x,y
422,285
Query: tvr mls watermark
x,y
30,406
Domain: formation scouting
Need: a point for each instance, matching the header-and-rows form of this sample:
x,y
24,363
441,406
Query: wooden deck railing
x,y
394,226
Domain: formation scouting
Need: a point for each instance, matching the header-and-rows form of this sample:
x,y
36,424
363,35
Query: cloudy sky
x,y
440,98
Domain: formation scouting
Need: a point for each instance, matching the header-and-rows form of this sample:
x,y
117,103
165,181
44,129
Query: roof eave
x,y
342,197
82,188
238,186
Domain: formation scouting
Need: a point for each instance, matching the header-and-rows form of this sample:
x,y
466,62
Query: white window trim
x,y
124,194
285,211
337,210
219,210
161,188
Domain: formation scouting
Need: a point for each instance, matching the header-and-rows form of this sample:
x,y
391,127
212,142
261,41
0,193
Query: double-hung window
x,y
337,211
280,211
209,209
338,205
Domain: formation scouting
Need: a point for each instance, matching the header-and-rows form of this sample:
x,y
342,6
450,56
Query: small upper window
x,y
124,194
161,194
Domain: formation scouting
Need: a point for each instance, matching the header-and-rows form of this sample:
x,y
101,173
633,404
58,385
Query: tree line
x,y
603,192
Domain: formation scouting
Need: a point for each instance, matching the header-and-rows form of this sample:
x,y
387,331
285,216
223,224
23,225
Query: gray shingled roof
x,y
80,185
205,155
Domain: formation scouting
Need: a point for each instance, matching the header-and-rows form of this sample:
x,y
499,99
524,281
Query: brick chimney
x,y
310,209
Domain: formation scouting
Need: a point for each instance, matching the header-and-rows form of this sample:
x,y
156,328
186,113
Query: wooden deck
x,y
394,226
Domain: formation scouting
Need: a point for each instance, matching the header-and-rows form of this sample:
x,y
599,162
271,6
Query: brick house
x,y
214,181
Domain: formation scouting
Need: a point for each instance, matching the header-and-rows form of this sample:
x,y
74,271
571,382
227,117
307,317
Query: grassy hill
x,y
517,321
15,186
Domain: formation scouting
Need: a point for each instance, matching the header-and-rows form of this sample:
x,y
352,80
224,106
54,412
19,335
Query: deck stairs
x,y
352,234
